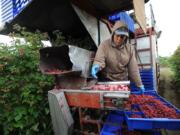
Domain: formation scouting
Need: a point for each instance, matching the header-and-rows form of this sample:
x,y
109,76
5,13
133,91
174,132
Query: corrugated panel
x,y
19,5
6,18
8,5
6,10
5,4
11,8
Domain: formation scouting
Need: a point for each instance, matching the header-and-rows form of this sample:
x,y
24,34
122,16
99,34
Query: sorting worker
x,y
115,58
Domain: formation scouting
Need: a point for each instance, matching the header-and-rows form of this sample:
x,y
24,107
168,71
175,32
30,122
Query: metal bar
x,y
150,41
115,83
92,91
146,49
99,127
98,27
102,100
116,95
147,64
80,119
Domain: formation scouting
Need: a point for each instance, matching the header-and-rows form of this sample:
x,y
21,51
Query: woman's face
x,y
118,40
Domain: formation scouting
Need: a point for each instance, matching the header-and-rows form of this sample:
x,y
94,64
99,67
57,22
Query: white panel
x,y
145,57
143,43
154,57
154,50
60,113
104,32
139,9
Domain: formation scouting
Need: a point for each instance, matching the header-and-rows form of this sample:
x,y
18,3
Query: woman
x,y
115,58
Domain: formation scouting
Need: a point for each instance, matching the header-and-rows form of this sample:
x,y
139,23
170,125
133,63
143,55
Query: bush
x,y
175,62
164,61
23,89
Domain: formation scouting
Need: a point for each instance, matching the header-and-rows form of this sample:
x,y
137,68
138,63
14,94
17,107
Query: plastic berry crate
x,y
113,125
152,123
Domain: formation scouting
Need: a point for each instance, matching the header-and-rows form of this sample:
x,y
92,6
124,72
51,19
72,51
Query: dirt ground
x,y
168,91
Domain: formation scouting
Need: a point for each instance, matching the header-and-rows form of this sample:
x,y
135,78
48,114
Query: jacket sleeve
x,y
100,56
133,69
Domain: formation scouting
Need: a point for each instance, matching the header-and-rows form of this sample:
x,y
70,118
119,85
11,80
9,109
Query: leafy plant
x,y
59,38
23,89
164,61
175,62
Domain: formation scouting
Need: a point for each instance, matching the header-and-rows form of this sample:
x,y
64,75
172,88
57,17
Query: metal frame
x,y
94,98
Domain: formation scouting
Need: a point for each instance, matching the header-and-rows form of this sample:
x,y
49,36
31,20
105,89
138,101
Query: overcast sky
x,y
168,21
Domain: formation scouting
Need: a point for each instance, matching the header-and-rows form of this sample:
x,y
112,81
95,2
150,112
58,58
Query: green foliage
x,y
60,39
164,61
82,42
85,43
23,89
175,62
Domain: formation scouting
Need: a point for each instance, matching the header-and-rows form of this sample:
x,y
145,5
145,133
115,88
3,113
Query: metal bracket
x,y
102,100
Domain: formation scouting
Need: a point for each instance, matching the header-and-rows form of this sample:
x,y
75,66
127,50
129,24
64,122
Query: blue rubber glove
x,y
142,89
94,70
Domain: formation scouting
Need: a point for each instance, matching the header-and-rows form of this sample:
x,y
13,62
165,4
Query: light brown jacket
x,y
118,64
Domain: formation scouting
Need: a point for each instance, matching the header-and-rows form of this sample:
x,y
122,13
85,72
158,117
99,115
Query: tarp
x,y
124,17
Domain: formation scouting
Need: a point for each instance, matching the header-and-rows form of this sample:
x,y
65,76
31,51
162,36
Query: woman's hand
x,y
94,70
142,89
